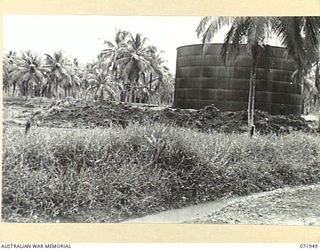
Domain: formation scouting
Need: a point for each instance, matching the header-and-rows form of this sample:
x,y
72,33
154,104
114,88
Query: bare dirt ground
x,y
78,113
288,206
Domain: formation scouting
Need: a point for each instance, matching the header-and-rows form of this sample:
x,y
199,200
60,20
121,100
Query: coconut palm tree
x,y
160,82
311,89
317,77
301,36
27,73
99,80
298,34
310,85
114,51
156,66
59,74
76,75
152,75
134,64
163,92
317,74
5,76
9,61
309,95
133,61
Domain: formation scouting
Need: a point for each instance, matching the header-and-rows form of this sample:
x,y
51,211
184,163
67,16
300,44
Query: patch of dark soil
x,y
84,114
78,113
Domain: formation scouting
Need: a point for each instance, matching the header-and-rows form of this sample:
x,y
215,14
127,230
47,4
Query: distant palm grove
x,y
126,70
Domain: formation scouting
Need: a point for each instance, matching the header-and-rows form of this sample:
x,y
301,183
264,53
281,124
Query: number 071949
x,y
314,246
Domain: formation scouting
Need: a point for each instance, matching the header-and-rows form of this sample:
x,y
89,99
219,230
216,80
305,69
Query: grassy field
x,y
111,174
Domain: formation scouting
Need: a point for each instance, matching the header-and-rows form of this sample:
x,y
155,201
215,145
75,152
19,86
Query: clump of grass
x,y
143,169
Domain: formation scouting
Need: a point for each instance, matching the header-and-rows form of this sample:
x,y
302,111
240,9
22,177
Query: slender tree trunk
x,y
131,92
56,88
253,92
26,90
126,95
135,90
317,83
319,119
116,75
249,101
13,88
252,89
128,91
144,80
302,92
32,90
134,96
317,75
150,82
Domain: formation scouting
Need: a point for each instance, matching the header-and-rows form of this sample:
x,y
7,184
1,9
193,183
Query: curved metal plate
x,y
203,79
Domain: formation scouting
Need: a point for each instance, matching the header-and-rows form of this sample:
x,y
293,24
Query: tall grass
x,y
144,169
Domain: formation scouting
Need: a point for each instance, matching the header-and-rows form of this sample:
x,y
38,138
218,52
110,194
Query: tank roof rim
x,y
200,44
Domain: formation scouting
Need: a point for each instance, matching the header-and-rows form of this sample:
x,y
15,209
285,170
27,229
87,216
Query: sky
x,y
82,36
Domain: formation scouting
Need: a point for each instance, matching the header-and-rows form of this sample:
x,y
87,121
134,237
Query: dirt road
x,y
287,206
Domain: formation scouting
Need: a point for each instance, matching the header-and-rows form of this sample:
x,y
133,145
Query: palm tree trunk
x,y
131,92
116,75
251,99
253,92
319,119
27,89
144,80
303,99
150,82
13,88
56,86
317,75
317,83
134,97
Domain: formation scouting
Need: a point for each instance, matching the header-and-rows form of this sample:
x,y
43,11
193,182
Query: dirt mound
x,y
210,118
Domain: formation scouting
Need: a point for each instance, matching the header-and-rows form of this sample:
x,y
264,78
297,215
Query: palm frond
x,y
202,25
234,37
121,36
110,91
109,44
289,32
256,30
312,31
216,24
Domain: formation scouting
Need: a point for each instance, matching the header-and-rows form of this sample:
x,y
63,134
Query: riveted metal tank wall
x,y
203,79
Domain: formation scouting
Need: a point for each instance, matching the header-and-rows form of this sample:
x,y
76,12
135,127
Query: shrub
x,y
144,169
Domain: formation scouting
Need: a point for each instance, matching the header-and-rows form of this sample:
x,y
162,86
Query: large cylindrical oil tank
x,y
203,79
